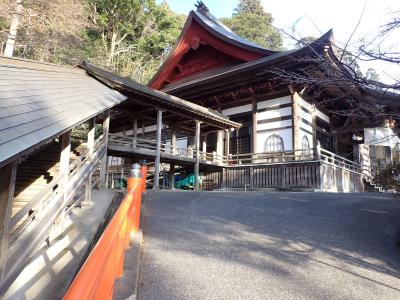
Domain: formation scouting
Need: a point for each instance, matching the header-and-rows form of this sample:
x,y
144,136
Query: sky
x,y
315,17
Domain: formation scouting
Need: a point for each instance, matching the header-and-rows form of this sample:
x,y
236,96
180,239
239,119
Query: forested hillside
x,y
129,37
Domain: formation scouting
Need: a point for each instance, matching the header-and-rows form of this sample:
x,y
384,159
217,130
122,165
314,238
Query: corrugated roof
x,y
40,101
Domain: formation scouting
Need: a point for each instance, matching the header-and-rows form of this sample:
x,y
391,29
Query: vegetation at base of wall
x,y
389,177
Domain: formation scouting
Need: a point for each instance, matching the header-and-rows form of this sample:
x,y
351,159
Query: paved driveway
x,y
216,245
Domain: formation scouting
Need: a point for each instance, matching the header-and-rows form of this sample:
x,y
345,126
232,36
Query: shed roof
x,y
39,101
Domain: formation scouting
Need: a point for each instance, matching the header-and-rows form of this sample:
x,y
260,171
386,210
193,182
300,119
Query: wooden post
x,y
173,142
104,160
227,141
190,147
90,145
318,151
172,176
296,122
204,147
90,137
314,126
64,170
134,133
158,151
7,185
197,164
254,127
220,145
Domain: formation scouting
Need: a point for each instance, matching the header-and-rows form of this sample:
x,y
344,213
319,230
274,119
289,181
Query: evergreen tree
x,y
250,21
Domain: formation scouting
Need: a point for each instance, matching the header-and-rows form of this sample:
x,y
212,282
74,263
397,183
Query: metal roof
x,y
160,99
39,101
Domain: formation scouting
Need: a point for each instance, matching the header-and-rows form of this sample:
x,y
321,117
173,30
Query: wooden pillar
x,y
190,146
314,129
227,141
172,176
65,155
104,160
220,145
158,151
64,170
134,132
7,185
197,164
90,145
204,147
90,137
296,120
173,142
254,127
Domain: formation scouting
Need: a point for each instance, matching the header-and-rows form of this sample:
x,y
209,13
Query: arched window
x,y
305,145
274,143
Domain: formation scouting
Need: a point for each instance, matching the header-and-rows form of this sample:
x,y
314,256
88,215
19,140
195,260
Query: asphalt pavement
x,y
236,245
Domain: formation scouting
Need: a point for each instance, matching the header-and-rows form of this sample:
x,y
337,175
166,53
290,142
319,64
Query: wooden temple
x,y
287,101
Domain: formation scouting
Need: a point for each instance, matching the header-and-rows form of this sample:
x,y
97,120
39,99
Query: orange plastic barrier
x,y
105,263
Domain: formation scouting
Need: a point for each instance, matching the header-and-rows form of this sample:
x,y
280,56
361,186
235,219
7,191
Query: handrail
x,y
54,208
95,279
242,158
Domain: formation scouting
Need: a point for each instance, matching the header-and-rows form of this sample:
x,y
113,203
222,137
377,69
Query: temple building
x,y
285,100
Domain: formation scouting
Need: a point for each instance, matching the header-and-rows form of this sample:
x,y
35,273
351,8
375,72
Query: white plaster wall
x,y
307,116
306,127
274,102
237,110
309,136
274,127
280,112
286,135
277,124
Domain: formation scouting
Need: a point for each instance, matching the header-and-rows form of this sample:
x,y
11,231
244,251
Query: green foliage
x,y
372,75
253,23
130,37
305,41
389,177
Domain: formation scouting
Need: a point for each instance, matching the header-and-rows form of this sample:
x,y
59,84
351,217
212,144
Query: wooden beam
x,y
197,164
7,185
254,127
104,159
158,151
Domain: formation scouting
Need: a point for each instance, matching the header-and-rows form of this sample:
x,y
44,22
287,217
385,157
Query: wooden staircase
x,y
372,187
36,172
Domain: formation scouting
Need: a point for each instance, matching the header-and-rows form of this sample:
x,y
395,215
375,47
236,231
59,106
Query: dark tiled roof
x,y
40,101
212,25
317,46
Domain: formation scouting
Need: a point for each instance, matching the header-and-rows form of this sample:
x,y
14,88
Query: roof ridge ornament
x,y
202,8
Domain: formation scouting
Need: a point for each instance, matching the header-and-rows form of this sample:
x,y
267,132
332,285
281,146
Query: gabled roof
x,y
202,28
316,47
40,101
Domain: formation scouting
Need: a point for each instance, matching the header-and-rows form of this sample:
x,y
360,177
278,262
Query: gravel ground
x,y
221,245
